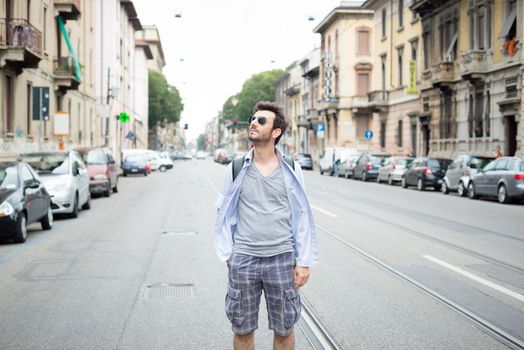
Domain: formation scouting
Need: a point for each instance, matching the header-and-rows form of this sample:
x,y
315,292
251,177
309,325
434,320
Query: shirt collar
x,y
249,156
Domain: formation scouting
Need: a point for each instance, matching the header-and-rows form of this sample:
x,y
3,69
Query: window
x,y
478,127
363,42
384,22
29,102
27,177
414,136
383,134
400,13
400,52
28,11
488,26
446,118
425,38
471,31
363,84
383,71
487,122
414,49
44,33
399,133
480,28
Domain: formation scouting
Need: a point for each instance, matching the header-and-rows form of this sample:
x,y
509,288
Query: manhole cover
x,y
178,233
163,290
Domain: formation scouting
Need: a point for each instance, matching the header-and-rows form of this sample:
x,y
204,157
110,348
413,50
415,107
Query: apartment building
x,y
47,95
471,84
394,96
345,73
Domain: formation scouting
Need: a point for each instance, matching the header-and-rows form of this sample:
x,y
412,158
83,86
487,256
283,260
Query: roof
x,y
345,8
143,44
131,13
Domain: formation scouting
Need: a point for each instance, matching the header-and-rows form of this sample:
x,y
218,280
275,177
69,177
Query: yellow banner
x,y
412,88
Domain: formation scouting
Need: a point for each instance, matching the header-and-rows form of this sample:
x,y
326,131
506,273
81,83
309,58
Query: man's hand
x,y
301,276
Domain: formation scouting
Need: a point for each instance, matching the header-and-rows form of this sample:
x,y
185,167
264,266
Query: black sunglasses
x,y
261,120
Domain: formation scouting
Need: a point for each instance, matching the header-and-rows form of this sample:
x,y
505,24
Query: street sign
x,y
61,123
320,127
368,134
40,103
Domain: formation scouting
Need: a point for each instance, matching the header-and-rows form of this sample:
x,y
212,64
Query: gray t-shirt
x,y
264,215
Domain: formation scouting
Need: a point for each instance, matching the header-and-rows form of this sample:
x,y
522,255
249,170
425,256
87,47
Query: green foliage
x,y
260,87
165,103
201,142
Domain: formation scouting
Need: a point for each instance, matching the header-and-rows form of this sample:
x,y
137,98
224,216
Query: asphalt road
x,y
138,270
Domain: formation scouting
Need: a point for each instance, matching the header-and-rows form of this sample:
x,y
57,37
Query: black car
x,y
367,165
23,200
426,172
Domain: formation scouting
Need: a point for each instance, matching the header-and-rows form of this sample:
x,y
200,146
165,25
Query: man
x,y
266,234
497,153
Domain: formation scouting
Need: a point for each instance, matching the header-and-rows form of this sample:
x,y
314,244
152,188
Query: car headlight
x,y
6,209
101,177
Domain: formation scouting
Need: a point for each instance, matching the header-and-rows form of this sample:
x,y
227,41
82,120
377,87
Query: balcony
x,y
378,100
443,73
64,72
68,9
20,44
474,63
359,104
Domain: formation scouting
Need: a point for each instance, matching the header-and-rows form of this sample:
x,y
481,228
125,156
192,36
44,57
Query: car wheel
x,y
74,213
21,229
502,195
404,183
321,172
124,173
471,191
162,168
378,179
444,187
462,190
390,180
115,189
420,185
145,174
364,176
47,220
87,204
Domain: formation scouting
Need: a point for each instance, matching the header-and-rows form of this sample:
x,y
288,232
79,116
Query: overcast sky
x,y
216,45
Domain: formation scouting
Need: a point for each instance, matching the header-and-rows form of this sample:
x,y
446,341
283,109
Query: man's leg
x,y
284,343
244,342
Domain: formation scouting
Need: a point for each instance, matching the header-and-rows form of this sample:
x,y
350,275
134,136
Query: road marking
x,y
467,274
208,179
323,211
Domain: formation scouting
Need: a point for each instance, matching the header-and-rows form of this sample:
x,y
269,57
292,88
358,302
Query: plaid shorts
x,y
248,276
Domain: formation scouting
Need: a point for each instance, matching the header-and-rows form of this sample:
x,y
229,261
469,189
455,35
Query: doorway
x,y
511,136
426,132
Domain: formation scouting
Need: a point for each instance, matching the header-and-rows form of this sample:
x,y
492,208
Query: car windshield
x,y
48,163
135,159
376,160
479,162
438,163
403,161
94,157
8,177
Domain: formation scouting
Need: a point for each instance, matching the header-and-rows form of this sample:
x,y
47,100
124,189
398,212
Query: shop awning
x,y
76,64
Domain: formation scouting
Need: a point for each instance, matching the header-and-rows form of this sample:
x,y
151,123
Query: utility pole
x,y
108,108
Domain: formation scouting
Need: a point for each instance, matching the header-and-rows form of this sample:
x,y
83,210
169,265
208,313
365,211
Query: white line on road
x,y
467,274
323,211
208,179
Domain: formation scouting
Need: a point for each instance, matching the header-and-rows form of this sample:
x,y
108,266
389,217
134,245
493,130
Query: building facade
x,y
47,95
345,73
471,87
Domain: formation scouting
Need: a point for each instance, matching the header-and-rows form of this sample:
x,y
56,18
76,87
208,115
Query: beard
x,y
258,137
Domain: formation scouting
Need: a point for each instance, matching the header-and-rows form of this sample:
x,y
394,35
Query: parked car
x,y
23,200
330,160
348,163
164,162
368,164
65,178
503,178
201,155
135,164
393,169
151,157
460,172
304,159
425,172
102,169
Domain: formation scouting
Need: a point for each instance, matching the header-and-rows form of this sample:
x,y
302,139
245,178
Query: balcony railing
x,y
64,67
443,73
20,33
378,97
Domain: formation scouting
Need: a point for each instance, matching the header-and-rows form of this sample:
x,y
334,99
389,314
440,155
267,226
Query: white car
x,y
164,161
65,178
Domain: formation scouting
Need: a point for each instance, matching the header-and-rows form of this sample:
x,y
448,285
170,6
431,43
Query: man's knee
x,y
246,341
284,341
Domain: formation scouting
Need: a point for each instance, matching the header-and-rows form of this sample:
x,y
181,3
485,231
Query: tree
x,y
201,142
165,103
260,87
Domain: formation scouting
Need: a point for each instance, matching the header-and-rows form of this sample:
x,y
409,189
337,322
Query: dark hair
x,y
280,120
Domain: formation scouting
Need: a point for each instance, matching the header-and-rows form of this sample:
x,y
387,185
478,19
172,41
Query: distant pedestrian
x,y
497,153
266,234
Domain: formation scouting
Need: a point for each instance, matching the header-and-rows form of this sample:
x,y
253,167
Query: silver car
x,y
65,178
461,171
393,169
503,178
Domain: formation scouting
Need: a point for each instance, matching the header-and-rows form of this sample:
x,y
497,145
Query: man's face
x,y
263,133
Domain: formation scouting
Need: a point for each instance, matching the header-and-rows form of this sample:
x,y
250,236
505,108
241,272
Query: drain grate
x,y
163,290
178,233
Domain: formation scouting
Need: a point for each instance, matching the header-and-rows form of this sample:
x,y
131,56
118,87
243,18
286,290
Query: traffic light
x,y
235,120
